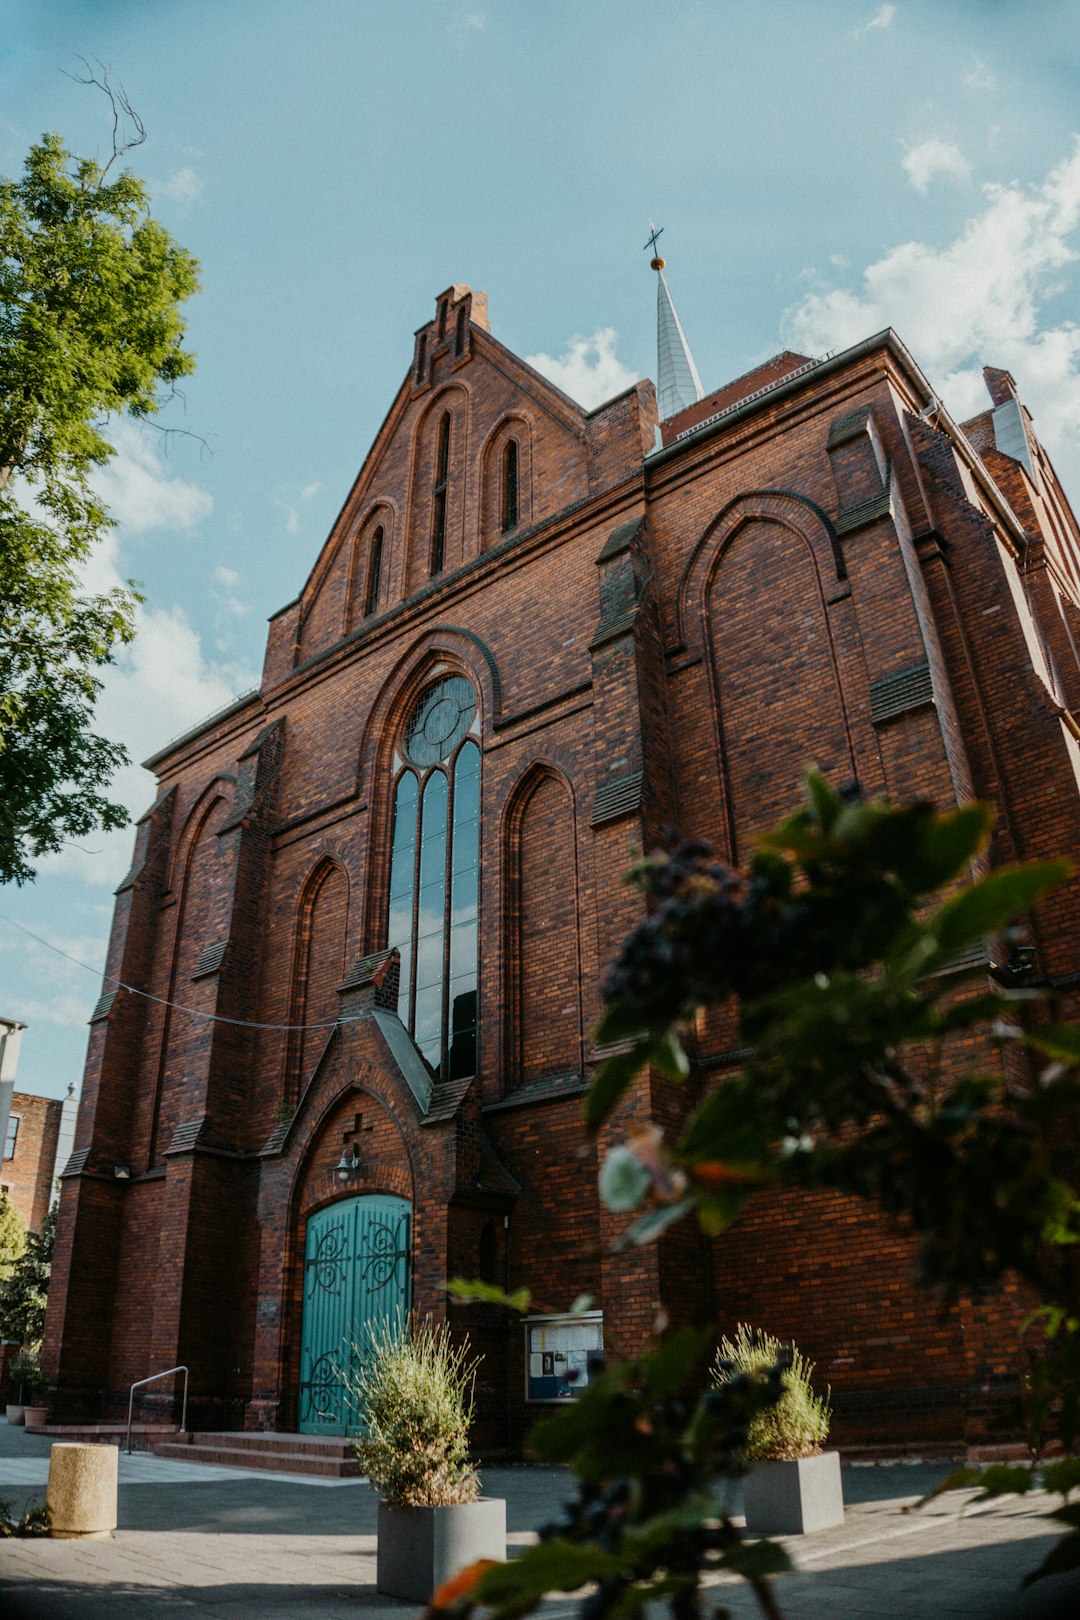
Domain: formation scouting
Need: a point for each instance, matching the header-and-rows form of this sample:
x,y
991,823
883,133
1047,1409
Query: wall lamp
x,y
349,1163
1018,968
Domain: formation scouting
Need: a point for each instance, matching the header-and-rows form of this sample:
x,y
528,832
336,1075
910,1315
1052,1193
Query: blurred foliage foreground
x,y
877,1063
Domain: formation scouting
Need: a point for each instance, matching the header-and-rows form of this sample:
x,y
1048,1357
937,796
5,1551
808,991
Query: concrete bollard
x,y
81,1493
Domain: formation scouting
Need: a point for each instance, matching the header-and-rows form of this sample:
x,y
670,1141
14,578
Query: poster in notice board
x,y
561,1354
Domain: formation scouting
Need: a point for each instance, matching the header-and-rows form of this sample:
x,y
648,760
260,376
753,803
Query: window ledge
x,y
555,1088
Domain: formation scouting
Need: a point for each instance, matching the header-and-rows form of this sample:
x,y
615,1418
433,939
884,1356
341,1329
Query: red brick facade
x,y
816,565
28,1175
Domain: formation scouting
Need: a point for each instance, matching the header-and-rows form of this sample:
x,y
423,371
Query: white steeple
x,y
677,382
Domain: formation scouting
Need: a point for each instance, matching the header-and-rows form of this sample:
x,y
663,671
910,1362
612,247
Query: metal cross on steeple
x,y
677,382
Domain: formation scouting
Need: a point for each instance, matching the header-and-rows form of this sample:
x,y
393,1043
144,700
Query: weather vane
x,y
656,263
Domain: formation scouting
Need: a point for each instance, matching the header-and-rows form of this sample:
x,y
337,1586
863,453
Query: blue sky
x,y
821,168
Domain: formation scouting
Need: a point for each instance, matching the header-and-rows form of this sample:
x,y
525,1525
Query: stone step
x,y
143,1435
261,1440
211,1451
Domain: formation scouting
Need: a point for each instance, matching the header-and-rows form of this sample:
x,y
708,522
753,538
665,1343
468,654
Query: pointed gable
x,y
476,448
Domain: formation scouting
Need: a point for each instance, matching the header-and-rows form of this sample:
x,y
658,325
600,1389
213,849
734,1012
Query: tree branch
x,y
122,109
167,432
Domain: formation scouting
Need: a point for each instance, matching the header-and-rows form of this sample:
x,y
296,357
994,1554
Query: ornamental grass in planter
x,y
414,1398
793,1484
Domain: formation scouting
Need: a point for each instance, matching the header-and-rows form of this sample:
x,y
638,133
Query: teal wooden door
x,y
356,1276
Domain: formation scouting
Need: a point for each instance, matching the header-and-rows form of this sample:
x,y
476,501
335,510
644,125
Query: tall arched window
x,y
442,470
434,876
371,595
510,487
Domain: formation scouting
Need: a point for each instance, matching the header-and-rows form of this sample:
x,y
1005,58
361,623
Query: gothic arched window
x,y
434,876
371,595
510,486
442,472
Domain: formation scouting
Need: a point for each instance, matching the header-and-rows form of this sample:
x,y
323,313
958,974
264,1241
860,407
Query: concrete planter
x,y
794,1498
421,1547
15,1413
35,1416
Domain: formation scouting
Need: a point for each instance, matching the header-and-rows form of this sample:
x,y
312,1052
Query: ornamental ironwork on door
x,y
356,1277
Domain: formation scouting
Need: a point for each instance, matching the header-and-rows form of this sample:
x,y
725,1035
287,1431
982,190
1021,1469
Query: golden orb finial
x,y
657,264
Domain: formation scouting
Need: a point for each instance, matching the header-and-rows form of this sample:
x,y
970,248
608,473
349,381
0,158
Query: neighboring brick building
x,y
532,641
29,1163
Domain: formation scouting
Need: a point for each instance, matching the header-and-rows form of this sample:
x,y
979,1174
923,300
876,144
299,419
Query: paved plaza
x,y
204,1541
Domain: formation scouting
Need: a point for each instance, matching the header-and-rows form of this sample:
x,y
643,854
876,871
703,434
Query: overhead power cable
x,y
161,1001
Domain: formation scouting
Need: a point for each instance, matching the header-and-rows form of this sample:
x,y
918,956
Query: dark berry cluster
x,y
687,950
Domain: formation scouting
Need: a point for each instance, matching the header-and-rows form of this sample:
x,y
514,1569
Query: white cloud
x,y
469,18
70,1010
979,76
228,604
981,299
288,507
140,493
589,370
185,186
922,163
159,686
292,516
63,993
882,18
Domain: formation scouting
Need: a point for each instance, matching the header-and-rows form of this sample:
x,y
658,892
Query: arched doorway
x,y
356,1276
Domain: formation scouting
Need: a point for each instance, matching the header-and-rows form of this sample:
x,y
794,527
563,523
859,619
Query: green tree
x,y
24,1291
12,1235
90,329
850,983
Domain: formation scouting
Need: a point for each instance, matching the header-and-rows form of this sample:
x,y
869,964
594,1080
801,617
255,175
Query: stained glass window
x,y
440,721
435,877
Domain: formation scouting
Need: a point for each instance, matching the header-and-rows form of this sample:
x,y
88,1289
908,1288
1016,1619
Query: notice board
x,y
561,1354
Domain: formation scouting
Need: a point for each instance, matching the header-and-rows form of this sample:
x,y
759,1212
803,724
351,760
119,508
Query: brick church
x,y
356,963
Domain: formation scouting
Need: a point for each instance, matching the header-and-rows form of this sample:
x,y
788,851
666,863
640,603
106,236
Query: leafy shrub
x,y
25,1288
414,1397
27,1377
649,1523
12,1234
32,1521
798,1425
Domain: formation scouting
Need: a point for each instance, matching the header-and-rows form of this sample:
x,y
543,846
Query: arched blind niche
x,y
203,879
506,494
544,959
369,572
435,876
777,685
320,968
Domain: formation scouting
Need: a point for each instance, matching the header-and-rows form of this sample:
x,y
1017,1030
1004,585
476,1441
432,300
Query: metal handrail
x,y
141,1383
